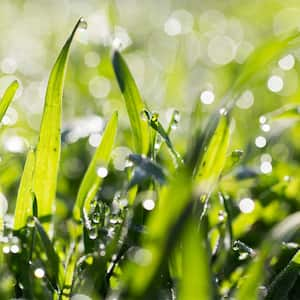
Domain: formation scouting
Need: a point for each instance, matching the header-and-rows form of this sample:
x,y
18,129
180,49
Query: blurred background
x,y
183,54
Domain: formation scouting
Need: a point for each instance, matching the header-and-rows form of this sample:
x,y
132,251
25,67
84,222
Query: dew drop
x,y
83,24
39,273
148,204
14,249
260,142
102,172
93,233
96,217
6,249
246,205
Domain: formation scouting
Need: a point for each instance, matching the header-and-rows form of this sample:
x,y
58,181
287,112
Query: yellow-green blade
x,y
212,162
24,199
91,181
134,104
7,97
48,147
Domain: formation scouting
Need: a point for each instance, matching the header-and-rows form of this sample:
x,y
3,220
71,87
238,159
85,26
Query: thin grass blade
x,y
134,104
49,144
8,97
91,181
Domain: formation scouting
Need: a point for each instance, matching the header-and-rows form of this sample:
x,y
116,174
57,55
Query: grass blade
x,y
54,268
7,97
25,196
163,227
212,162
48,147
91,182
196,282
134,104
284,281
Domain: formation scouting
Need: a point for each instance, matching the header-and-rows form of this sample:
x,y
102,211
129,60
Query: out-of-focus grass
x,y
196,195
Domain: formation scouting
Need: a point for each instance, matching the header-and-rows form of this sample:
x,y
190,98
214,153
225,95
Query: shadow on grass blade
x,y
49,144
91,181
134,104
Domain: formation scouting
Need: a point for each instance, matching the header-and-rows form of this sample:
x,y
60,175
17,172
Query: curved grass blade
x,y
289,112
285,280
7,97
263,55
25,196
134,104
212,162
48,147
282,232
157,126
91,181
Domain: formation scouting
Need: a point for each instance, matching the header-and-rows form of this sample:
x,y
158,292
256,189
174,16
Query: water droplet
x,y
172,26
265,127
275,83
102,253
246,100
246,205
262,119
287,178
266,157
14,249
93,232
207,97
6,249
96,217
102,172
223,111
243,255
266,167
287,62
148,204
39,273
221,215
30,222
83,24
260,142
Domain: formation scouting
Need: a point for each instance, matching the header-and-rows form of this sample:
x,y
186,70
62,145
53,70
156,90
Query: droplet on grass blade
x,y
39,273
83,23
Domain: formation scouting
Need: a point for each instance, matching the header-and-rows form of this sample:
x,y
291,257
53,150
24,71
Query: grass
x,y
172,228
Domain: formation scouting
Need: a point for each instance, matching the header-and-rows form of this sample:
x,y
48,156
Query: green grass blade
x,y
196,281
24,199
91,182
134,104
163,227
262,56
285,280
256,273
53,267
49,144
7,97
213,160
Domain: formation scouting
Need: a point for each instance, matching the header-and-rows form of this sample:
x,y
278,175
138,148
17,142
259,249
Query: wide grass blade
x,y
285,280
25,196
7,97
213,159
49,144
91,181
163,227
134,104
196,280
